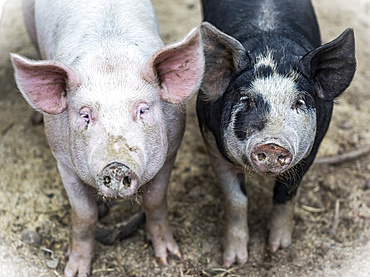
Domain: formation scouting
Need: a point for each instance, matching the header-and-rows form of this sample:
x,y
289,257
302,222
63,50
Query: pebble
x,y
53,264
367,185
190,4
346,125
206,247
31,237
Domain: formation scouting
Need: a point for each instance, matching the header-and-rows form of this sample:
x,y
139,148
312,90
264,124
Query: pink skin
x,y
84,218
270,158
94,116
155,207
281,226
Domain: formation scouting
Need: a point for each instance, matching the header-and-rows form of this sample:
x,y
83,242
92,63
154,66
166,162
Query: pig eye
x,y
299,105
85,114
245,98
142,109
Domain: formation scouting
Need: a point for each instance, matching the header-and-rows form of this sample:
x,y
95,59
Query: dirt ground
x,y
32,197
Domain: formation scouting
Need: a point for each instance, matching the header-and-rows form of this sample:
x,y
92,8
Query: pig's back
x,y
67,30
294,19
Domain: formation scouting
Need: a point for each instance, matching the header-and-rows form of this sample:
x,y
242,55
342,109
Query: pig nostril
x,y
107,180
126,182
282,160
271,158
261,156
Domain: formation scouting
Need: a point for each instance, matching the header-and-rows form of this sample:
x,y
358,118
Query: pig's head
x,y
116,109
269,105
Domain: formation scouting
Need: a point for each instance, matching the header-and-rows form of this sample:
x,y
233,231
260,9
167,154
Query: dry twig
x,y
334,226
312,209
346,157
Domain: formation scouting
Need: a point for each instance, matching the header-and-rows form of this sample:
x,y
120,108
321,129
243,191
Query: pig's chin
x,y
271,172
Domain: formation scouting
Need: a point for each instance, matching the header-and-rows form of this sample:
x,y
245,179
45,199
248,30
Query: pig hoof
x,y
162,260
279,239
172,248
235,247
240,259
79,262
178,254
228,264
162,240
80,268
236,252
273,247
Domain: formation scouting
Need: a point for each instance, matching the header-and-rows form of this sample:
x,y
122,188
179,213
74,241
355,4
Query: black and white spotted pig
x,y
266,102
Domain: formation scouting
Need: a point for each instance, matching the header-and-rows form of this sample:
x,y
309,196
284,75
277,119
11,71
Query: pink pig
x,y
111,95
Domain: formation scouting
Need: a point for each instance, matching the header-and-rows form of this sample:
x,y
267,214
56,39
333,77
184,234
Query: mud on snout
x,y
117,180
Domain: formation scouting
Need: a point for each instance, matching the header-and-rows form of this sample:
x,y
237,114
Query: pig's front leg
x,y
281,222
155,207
84,218
231,180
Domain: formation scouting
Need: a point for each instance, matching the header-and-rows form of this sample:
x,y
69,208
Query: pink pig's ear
x,y
44,83
178,68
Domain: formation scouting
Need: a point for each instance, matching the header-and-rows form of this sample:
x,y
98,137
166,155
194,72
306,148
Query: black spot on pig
x,y
251,115
263,71
241,179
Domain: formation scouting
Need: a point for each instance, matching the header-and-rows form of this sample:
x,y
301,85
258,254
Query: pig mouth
x,y
117,180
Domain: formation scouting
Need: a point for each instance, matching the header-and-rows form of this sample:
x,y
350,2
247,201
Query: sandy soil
x,y
33,198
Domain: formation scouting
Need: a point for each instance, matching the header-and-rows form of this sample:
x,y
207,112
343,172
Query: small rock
x,y
190,4
53,264
31,237
206,247
367,185
346,125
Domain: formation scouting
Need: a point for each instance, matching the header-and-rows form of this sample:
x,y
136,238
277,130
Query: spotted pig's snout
x,y
270,158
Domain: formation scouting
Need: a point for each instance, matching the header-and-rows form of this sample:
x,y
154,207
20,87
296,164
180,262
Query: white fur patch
x,y
266,60
267,19
276,89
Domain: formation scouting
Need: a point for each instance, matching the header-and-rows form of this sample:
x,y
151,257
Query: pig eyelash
x,y
244,98
86,118
299,105
142,110
247,100
85,115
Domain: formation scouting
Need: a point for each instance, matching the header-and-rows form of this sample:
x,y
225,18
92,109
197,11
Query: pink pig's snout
x,y
117,180
271,158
